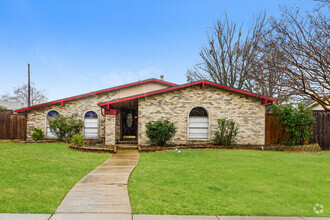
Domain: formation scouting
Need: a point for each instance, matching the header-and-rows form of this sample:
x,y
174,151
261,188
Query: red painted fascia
x,y
94,93
241,91
203,82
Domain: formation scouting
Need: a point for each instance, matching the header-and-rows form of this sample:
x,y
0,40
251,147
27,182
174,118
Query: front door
x,y
129,124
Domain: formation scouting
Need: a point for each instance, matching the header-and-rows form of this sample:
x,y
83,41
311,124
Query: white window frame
x,y
47,125
98,125
208,126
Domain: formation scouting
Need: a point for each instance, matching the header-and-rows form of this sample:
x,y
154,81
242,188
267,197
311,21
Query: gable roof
x,y
316,103
202,83
96,92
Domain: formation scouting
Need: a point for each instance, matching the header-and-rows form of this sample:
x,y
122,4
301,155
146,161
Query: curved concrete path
x,y
103,190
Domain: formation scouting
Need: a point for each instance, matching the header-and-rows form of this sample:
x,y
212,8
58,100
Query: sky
x,y
79,46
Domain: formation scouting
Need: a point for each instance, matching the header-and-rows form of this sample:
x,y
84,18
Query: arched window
x,y
198,124
91,125
50,114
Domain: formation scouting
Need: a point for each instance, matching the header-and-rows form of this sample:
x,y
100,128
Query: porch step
x,y
127,146
127,142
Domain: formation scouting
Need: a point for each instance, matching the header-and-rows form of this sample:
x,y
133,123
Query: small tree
x,y
64,127
226,133
160,132
297,123
2,108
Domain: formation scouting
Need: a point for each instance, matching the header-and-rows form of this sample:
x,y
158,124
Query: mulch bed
x,y
303,148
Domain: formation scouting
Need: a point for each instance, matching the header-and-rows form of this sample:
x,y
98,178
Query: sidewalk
x,y
114,216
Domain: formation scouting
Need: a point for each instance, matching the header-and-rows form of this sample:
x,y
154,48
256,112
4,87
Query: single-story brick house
x,y
122,112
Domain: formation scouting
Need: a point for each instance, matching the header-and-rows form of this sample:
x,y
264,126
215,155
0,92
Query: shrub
x,y
297,122
160,132
37,134
2,107
64,127
77,140
226,133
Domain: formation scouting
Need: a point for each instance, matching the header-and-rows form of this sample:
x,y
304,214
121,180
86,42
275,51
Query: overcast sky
x,y
80,46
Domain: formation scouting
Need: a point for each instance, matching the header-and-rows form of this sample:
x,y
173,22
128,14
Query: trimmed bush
x,y
77,140
159,132
37,134
226,133
64,127
297,122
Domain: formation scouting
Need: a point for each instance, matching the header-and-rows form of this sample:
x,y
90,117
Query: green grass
x,y
34,178
231,182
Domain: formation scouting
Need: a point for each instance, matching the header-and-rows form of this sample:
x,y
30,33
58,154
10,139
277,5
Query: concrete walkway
x,y
103,190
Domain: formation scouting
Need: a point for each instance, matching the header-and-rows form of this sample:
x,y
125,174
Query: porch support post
x,y
110,129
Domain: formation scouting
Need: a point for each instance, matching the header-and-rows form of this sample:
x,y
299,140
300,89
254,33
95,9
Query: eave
x,y
61,101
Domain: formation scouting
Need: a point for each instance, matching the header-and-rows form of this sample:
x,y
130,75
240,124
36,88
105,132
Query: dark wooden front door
x,y
129,124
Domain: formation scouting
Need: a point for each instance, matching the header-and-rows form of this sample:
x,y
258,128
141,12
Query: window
x,y
198,124
91,125
50,114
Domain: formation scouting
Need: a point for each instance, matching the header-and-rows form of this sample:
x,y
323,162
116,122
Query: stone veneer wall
x,y
175,106
37,118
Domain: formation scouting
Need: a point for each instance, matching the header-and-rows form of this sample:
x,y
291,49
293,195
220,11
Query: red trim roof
x,y
96,92
202,82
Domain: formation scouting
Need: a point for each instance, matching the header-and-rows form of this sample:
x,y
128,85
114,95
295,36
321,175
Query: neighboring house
x,y
12,105
122,112
316,106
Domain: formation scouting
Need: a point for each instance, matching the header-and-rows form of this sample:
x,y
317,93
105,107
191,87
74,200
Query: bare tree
x,y
20,94
266,77
302,45
227,58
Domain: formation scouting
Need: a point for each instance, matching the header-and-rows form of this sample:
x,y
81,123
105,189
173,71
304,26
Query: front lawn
x,y
34,178
231,182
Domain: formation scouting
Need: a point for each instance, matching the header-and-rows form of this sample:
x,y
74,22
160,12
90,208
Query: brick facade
x,y
37,118
175,106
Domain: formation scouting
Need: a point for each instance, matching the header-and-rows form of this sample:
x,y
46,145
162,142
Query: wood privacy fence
x,y
274,131
12,126
321,129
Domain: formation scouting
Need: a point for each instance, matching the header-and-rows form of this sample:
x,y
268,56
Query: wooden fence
x,y
321,129
274,131
12,126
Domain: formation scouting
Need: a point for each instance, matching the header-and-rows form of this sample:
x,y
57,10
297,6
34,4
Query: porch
x,y
121,123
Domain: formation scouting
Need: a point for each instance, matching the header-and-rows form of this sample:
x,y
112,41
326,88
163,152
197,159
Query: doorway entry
x,y
129,124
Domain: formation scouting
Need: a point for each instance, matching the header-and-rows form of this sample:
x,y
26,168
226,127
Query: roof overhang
x,y
264,99
61,101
